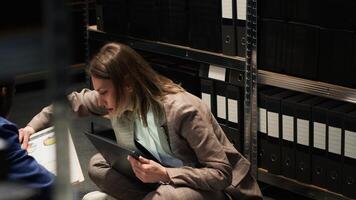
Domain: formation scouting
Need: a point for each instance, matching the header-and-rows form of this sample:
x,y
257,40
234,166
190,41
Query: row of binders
x,y
310,52
308,138
212,25
329,14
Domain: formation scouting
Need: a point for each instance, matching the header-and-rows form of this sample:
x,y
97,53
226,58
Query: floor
x,y
30,100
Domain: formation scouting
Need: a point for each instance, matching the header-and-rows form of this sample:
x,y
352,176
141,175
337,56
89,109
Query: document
x,y
42,147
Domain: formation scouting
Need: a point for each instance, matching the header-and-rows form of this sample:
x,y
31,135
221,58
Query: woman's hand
x,y
148,171
24,135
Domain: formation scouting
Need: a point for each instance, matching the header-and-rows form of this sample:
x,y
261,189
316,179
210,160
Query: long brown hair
x,y
123,65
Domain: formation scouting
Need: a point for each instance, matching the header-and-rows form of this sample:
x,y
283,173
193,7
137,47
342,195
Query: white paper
x,y
288,128
226,9
334,140
206,99
350,144
319,135
262,116
42,147
273,124
221,106
303,132
241,9
217,73
233,110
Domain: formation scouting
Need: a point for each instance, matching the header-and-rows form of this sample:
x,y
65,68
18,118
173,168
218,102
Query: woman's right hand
x,y
24,135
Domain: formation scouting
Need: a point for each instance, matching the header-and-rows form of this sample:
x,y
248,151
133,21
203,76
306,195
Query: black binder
x,y
241,37
205,25
273,105
234,106
207,88
274,9
173,21
335,146
342,16
220,91
228,24
113,16
319,150
303,11
288,112
144,19
349,178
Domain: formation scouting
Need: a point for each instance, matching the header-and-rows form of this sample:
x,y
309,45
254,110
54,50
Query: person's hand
x,y
148,171
24,135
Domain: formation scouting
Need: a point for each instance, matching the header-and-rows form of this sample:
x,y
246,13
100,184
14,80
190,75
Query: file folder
x,y
303,138
144,19
221,101
228,30
336,54
234,106
263,150
173,18
349,178
205,25
288,106
319,152
335,146
234,136
273,105
113,16
207,88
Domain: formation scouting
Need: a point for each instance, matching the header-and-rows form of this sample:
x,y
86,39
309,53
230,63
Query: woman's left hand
x,y
148,171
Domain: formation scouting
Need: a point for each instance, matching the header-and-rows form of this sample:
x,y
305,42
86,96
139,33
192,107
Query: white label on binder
x,y
217,73
334,140
241,9
303,132
319,135
233,110
262,125
227,9
273,124
288,128
221,106
350,144
206,99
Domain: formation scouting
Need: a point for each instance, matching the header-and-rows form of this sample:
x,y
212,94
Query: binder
x,y
342,16
228,30
205,25
173,21
271,48
207,88
221,101
241,37
319,138
302,45
274,9
349,178
144,22
336,49
113,16
273,105
288,112
236,77
263,150
234,136
234,106
335,137
303,11
303,138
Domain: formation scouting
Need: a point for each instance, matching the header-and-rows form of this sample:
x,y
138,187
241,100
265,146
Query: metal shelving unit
x,y
231,62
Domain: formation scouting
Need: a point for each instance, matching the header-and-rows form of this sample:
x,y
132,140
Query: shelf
x,y
232,62
294,186
307,86
21,52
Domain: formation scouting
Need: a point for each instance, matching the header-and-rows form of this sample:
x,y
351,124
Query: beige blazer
x,y
210,161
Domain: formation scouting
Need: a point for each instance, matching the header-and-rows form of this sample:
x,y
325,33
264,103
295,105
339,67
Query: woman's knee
x,y
97,169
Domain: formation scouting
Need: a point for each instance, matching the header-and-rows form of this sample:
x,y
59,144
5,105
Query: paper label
x,y
303,132
233,110
350,144
319,135
262,125
334,140
273,124
217,73
241,9
206,99
221,106
227,9
288,128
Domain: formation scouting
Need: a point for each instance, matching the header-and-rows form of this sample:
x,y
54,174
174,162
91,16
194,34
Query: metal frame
x,y
250,100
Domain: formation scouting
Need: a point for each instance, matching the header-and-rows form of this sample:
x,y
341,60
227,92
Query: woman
x,y
22,167
175,126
